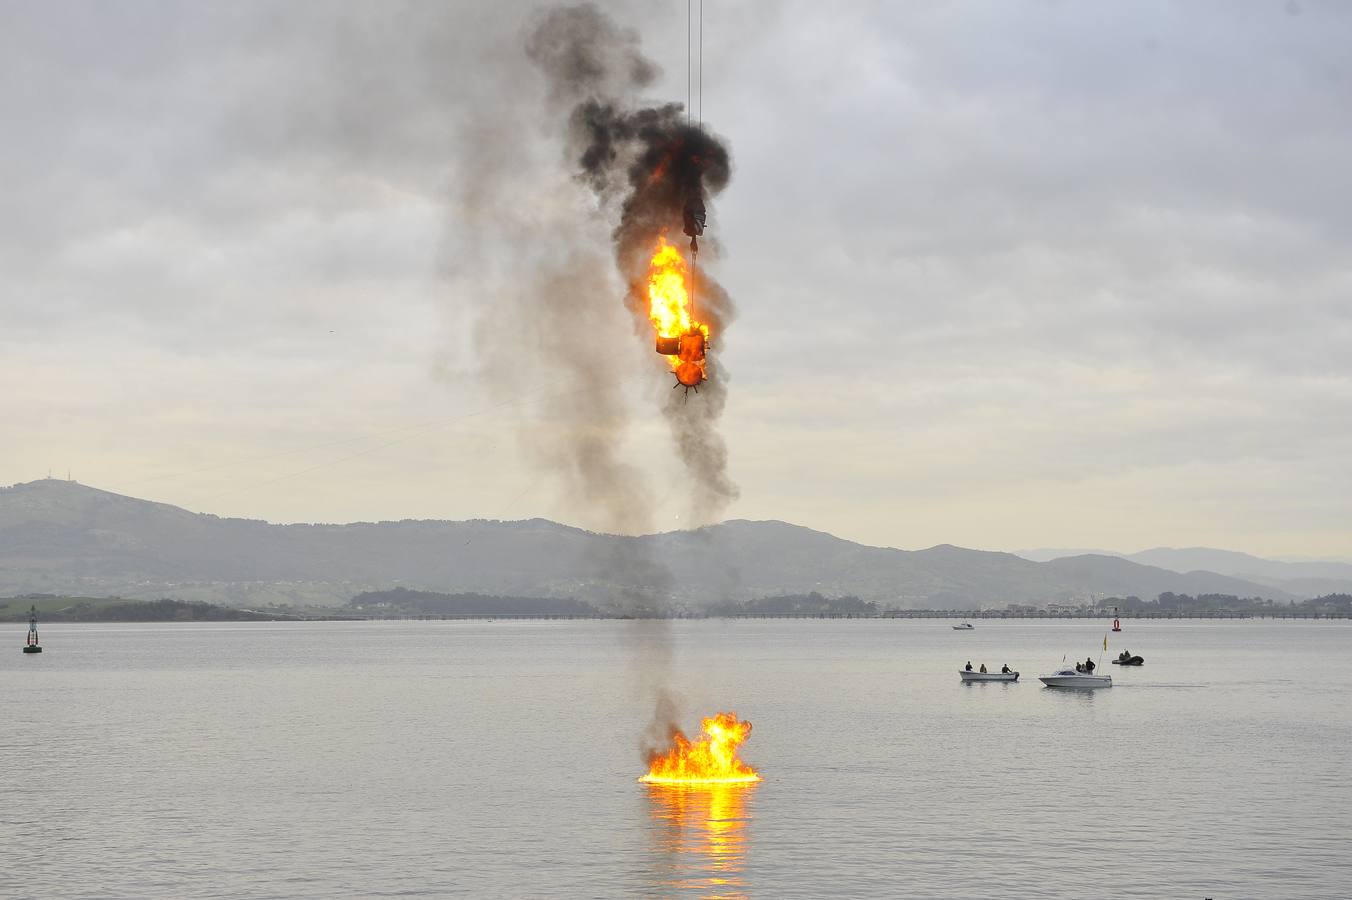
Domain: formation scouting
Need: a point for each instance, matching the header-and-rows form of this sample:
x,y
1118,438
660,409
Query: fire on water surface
x,y
711,759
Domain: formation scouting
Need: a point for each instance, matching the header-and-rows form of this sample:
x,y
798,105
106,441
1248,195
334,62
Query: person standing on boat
x,y
1089,665
1004,670
969,665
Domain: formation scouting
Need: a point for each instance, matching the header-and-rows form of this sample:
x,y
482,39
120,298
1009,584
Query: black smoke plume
x,y
645,165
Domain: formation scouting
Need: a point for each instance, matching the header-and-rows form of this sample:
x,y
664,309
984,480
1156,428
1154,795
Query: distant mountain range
x,y
63,537
1306,578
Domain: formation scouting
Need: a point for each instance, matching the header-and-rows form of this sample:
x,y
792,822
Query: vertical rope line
x,y
694,266
689,81
701,62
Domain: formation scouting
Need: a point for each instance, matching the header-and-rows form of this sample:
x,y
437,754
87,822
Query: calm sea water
x,y
500,758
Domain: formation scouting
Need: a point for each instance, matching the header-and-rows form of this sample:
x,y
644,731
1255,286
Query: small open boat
x,y
965,626
1129,661
1067,677
988,676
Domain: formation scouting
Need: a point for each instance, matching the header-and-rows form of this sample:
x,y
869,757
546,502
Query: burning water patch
x,y
710,759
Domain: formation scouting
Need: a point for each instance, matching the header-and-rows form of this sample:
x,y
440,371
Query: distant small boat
x,y
988,676
965,626
1129,661
1067,677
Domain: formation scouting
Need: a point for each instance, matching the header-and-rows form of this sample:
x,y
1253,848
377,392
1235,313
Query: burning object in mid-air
x,y
679,336
710,759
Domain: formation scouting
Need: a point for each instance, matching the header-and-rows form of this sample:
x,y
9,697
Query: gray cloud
x,y
1080,268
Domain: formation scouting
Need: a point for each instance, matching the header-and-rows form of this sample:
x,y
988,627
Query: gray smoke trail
x,y
646,164
545,262
540,280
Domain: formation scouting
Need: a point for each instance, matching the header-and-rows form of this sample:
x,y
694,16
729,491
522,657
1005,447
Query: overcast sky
x,y
1009,274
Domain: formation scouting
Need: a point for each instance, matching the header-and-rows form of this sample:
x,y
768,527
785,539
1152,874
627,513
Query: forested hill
x,y
63,537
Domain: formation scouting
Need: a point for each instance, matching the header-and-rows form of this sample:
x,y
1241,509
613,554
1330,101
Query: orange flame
x,y
711,759
680,338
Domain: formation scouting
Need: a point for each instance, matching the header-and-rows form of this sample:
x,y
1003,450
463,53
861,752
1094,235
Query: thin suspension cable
x,y
694,274
690,79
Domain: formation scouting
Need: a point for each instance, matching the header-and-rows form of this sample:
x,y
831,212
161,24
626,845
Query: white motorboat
x,y
1067,677
988,676
965,626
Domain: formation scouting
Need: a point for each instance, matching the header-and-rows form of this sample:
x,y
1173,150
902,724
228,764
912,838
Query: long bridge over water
x,y
891,614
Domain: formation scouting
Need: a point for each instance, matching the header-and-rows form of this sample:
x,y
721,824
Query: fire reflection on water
x,y
699,837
